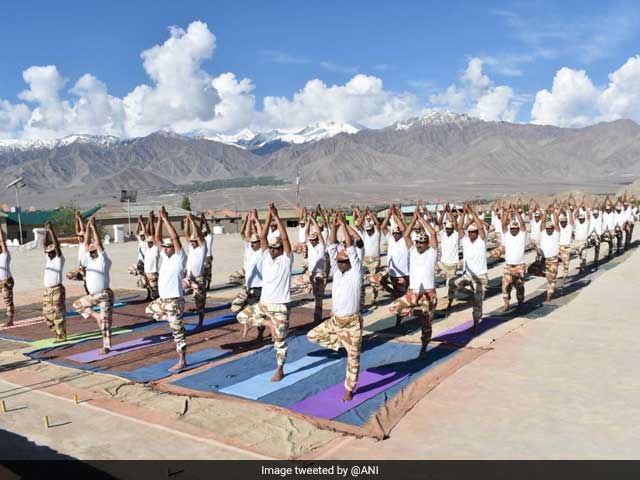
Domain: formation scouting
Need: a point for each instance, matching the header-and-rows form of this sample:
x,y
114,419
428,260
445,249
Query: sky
x,y
202,67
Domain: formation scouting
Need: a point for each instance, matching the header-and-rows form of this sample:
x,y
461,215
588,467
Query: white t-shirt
x,y
81,255
582,230
550,244
252,263
142,248
170,278
325,235
53,271
371,243
315,257
151,259
620,219
449,247
514,247
535,230
5,265
595,224
474,255
273,234
565,234
195,261
276,278
397,257
345,294
422,269
302,235
208,243
98,269
608,220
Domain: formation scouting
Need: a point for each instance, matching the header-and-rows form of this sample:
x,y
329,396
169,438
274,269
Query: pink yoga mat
x,y
329,404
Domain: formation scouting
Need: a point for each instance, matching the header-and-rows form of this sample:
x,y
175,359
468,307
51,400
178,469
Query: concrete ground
x,y
560,385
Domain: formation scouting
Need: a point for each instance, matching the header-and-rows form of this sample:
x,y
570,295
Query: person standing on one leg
x,y
449,242
208,243
566,232
344,327
608,224
514,241
53,302
6,280
170,305
397,254
78,273
315,259
273,309
581,235
194,279
474,279
550,249
371,238
151,260
98,283
420,298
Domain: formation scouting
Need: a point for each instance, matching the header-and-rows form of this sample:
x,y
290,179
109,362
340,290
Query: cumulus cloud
x,y
574,101
362,99
475,94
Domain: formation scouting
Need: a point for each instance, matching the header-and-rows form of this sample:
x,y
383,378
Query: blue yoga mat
x,y
261,384
160,370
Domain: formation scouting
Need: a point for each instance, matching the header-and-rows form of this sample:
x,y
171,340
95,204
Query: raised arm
x,y
96,238
140,226
51,234
348,241
478,222
150,227
157,234
523,226
286,244
79,224
317,227
175,238
385,222
433,237
195,230
409,229
204,224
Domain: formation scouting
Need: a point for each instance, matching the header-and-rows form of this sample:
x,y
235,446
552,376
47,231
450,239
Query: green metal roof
x,y
40,217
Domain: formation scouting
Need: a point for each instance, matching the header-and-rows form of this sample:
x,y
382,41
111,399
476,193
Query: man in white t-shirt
x,y
301,245
315,262
581,235
344,327
397,255
169,305
608,225
474,279
420,299
251,289
98,268
194,282
535,226
53,301
550,249
77,273
566,235
595,232
6,280
449,242
370,233
208,243
149,280
627,215
273,309
514,241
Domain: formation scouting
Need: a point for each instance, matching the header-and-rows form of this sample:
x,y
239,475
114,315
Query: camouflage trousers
x,y
628,233
474,285
300,249
344,332
149,281
84,306
237,277
208,271
607,237
420,304
171,310
137,269
245,297
618,236
497,252
449,271
196,287
53,305
76,274
397,286
565,257
551,273
278,314
6,288
513,276
374,274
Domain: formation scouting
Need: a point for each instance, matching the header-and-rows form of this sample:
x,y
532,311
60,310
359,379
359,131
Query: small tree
x,y
186,203
64,221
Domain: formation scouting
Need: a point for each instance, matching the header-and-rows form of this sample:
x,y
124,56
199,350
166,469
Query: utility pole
x,y
18,183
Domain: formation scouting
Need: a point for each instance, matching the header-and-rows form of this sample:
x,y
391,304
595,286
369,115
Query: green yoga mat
x,y
48,342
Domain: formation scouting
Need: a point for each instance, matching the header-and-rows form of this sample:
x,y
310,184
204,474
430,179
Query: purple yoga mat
x,y
329,404
131,345
463,333
457,329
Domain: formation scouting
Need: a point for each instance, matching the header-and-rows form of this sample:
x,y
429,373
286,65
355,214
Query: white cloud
x,y
476,95
574,100
362,99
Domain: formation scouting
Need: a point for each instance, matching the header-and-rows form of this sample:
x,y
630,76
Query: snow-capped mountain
x,y
435,117
251,140
40,144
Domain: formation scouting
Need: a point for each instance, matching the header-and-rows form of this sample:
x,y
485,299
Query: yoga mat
x,y
160,370
138,343
261,384
80,337
463,333
23,323
96,308
329,404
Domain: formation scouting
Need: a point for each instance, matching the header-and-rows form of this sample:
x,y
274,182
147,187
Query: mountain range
x,y
438,146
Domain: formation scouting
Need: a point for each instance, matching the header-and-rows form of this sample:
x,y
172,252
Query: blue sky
x,y
419,50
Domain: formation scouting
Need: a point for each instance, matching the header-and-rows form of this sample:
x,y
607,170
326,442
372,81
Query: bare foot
x,y
198,327
398,320
60,339
475,326
260,336
9,323
105,350
178,366
519,307
245,330
423,352
279,375
505,307
449,304
548,299
348,396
